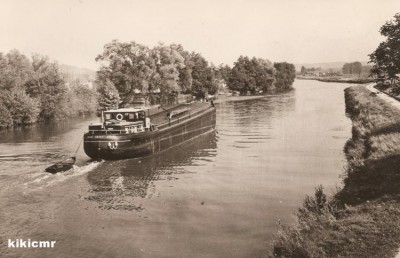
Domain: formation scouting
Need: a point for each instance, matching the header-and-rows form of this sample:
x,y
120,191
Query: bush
x,y
23,109
5,117
301,240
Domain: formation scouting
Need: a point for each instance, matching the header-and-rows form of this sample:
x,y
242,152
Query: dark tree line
x,y
34,89
305,70
386,57
130,68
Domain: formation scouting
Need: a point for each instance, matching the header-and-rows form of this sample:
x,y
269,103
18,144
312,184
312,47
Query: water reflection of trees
x,y
266,108
119,184
44,131
250,113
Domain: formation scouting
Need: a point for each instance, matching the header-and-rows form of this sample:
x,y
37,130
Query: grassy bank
x,y
363,218
338,79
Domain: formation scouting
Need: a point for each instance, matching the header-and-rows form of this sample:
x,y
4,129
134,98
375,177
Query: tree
x,y
185,73
346,68
168,62
129,66
22,109
34,89
5,116
203,77
357,67
168,69
224,72
251,75
47,86
212,85
82,98
386,57
108,95
285,75
30,85
45,79
303,70
240,78
15,70
264,74
352,68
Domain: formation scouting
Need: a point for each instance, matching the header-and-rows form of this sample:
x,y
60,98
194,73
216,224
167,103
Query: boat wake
x,y
42,179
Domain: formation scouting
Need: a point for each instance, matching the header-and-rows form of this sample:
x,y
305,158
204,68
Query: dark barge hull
x,y
146,143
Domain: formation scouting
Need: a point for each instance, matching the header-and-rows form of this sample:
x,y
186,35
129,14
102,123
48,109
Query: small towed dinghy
x,y
62,165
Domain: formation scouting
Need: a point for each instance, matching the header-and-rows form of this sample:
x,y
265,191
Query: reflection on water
x,y
43,132
219,195
118,183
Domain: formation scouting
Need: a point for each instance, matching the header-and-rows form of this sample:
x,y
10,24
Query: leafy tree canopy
x,y
168,69
129,66
352,68
386,57
108,95
34,89
285,75
251,75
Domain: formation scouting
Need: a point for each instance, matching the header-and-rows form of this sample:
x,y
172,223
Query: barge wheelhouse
x,y
133,132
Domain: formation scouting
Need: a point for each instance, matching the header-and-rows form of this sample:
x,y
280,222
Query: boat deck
x,y
161,117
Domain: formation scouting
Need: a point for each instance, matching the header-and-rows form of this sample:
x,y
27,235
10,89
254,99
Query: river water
x,y
222,194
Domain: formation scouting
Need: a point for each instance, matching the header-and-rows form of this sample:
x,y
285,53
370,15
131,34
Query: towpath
x,y
394,102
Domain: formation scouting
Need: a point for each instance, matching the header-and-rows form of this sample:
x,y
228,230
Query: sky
x,y
74,32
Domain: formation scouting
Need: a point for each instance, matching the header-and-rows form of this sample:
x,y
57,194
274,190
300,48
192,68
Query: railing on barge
x,y
136,127
177,119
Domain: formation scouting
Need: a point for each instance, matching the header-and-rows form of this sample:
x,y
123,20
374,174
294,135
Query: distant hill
x,y
325,66
75,73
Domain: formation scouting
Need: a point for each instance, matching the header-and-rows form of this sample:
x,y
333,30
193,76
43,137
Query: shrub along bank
x,y
363,218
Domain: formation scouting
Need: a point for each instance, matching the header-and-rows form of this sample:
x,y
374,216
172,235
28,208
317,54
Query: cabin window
x,y
131,116
108,116
141,115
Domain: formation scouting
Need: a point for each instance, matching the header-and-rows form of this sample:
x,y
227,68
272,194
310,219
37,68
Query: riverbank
x,y
224,98
363,218
236,98
338,79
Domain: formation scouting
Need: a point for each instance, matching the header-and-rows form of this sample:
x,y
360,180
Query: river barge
x,y
136,132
